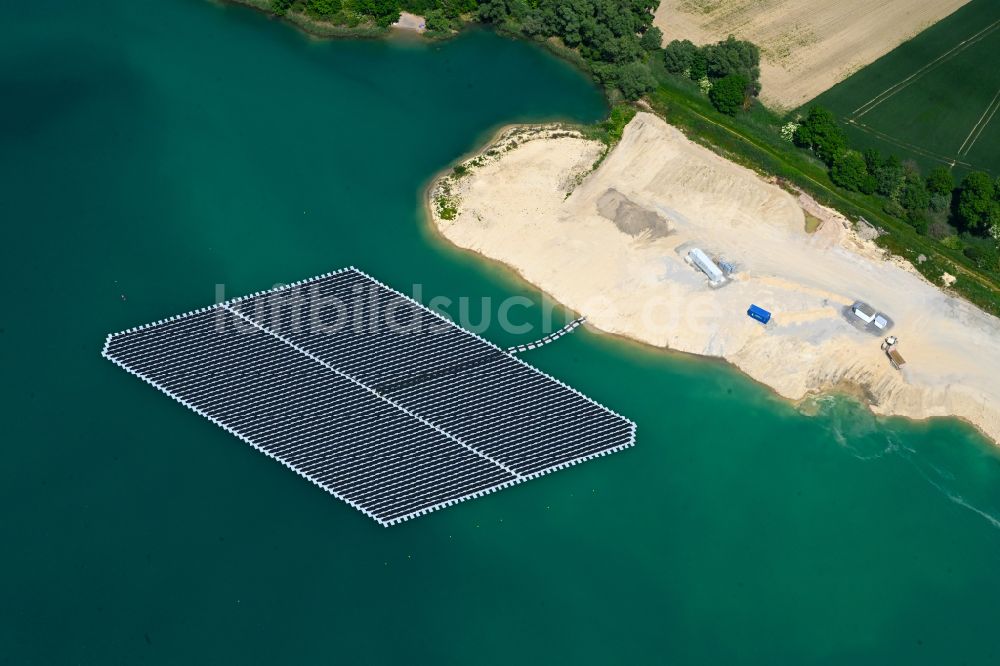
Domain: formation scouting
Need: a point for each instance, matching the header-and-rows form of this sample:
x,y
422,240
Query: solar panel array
x,y
368,394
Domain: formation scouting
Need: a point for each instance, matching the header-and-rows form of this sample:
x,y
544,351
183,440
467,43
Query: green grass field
x,y
935,98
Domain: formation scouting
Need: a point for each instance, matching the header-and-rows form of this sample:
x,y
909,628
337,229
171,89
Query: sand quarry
x,y
806,46
614,249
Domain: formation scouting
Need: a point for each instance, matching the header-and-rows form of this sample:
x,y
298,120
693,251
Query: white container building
x,y
701,260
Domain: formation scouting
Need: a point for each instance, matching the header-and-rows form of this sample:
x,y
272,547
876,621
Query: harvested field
x,y
807,46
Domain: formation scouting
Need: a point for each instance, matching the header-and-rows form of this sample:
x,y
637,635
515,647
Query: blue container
x,y
760,314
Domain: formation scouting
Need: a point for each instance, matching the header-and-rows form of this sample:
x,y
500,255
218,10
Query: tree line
x,y
439,15
614,38
933,204
620,45
728,72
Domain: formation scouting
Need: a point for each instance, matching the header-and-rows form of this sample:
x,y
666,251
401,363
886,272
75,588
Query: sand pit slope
x,y
806,46
514,208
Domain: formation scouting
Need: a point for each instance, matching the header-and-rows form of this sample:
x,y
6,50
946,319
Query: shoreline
x,y
517,279
851,392
843,387
322,30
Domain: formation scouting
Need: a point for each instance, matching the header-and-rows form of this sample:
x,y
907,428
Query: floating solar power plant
x,y
378,400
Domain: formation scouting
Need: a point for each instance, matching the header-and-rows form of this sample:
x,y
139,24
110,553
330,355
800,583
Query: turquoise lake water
x,y
152,150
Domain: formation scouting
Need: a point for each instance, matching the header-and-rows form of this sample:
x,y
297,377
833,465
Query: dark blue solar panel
x,y
369,395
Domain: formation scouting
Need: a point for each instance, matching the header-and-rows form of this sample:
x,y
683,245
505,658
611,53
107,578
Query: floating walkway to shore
x,y
552,337
375,398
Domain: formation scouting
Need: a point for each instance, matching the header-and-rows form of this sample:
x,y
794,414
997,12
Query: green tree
x,y
873,160
436,20
728,94
699,67
850,171
652,39
820,132
977,203
493,11
679,55
919,221
734,57
606,33
455,8
323,8
385,12
940,181
280,7
633,79
889,177
914,196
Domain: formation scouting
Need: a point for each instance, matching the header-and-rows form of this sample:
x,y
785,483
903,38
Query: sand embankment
x,y
603,252
806,46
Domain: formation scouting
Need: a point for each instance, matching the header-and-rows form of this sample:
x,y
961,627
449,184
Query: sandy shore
x,y
613,250
408,21
806,46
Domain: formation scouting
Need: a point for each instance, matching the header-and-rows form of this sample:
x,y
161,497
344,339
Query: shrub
x,y
939,230
892,207
952,242
619,117
984,256
788,130
940,202
447,208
